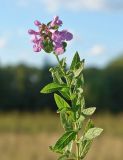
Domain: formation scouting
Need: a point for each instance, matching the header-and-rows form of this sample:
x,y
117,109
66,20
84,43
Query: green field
x,y
27,137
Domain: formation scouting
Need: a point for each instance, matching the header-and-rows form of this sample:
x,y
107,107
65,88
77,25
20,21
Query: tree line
x,y
20,88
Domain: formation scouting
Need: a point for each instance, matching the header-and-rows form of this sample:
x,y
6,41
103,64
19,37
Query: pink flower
x,y
37,43
49,38
56,22
59,50
36,48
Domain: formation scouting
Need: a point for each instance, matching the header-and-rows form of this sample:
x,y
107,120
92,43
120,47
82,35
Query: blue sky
x,y
97,26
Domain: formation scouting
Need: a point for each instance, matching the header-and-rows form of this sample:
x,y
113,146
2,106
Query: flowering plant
x,y
69,97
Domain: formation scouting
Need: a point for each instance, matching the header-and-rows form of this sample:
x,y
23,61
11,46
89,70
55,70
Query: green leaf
x,y
75,60
93,133
89,111
82,103
69,77
56,75
65,93
84,148
80,81
80,90
63,157
68,148
79,97
78,68
64,140
85,144
51,87
66,121
80,121
89,125
63,63
61,103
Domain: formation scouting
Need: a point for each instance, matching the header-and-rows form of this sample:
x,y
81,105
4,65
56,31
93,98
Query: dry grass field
x,y
27,137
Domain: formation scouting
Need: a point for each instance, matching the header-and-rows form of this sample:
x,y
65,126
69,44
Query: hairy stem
x,y
57,59
75,126
77,145
62,69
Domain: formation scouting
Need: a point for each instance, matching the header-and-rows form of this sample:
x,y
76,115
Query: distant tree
x,y
20,88
93,87
113,80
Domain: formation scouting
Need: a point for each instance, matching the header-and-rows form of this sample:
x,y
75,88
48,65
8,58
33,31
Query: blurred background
x,y
28,122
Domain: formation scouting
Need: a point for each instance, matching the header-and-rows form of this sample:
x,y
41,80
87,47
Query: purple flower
x,y
49,38
37,23
67,35
55,22
60,36
30,31
37,40
37,45
57,37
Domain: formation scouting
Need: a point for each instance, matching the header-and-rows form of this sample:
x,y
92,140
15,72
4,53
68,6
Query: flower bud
x,y
37,23
30,31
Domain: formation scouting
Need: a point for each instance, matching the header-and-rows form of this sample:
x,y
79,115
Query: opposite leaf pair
x,y
71,107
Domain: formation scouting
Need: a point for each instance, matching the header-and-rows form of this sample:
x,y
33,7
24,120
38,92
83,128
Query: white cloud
x,y
3,42
55,5
52,5
86,4
97,50
79,5
74,5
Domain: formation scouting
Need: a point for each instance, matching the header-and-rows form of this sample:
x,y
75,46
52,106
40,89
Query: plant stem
x,y
62,69
60,64
77,150
75,126
57,59
77,145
